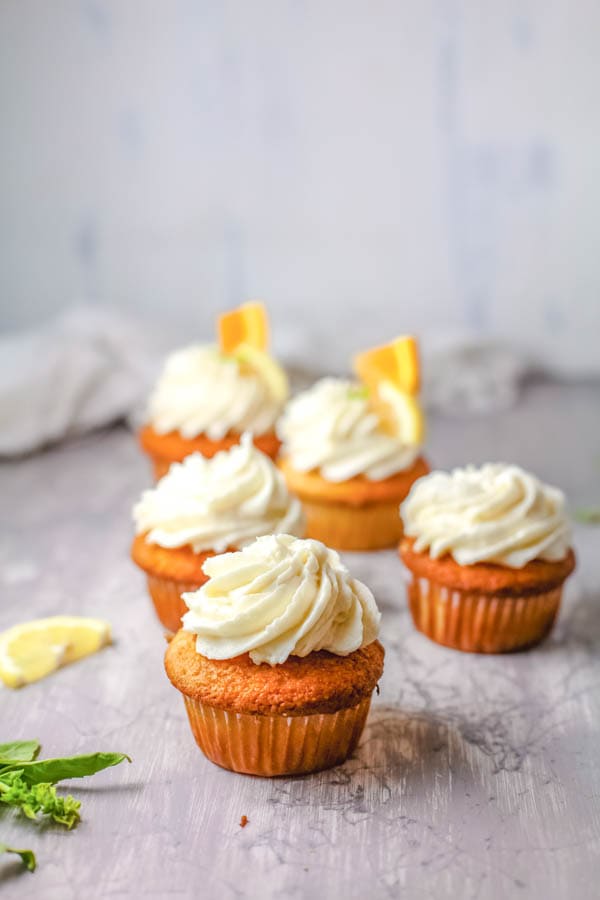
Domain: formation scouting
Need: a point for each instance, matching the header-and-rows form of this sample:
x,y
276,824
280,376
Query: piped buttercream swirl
x,y
332,428
218,503
279,597
497,513
202,391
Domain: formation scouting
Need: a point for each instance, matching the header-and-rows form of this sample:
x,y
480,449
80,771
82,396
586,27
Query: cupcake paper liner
x,y
278,744
481,623
166,596
374,526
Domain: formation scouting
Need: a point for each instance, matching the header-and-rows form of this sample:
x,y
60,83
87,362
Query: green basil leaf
x,y
19,751
27,856
53,770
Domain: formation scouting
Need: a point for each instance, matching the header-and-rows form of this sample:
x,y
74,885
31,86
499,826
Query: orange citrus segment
x,y
248,324
397,362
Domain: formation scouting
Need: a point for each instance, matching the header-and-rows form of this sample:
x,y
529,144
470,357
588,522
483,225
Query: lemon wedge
x,y
263,365
32,650
248,324
400,413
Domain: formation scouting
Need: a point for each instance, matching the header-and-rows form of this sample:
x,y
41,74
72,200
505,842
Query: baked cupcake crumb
x,y
322,682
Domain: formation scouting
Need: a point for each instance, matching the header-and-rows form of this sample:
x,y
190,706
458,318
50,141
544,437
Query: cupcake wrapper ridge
x,y
276,745
166,597
374,526
476,622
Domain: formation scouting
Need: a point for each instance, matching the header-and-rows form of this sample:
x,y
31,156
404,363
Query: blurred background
x,y
366,168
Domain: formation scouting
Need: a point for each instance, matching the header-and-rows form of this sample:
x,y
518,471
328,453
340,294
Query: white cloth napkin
x,y
87,369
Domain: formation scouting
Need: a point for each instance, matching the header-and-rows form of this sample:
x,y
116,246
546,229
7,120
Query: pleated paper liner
x,y
276,745
479,622
373,526
166,597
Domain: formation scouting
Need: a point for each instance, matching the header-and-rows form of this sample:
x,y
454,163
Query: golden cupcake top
x,y
279,597
321,683
372,427
495,513
216,389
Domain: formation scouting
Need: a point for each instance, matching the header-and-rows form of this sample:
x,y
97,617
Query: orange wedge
x,y
248,324
397,362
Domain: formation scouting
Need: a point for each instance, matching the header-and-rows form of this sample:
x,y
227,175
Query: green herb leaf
x,y
53,770
38,798
27,783
18,751
27,856
589,515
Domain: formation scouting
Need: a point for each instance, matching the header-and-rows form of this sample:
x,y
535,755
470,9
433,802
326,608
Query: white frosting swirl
x,y
280,597
331,427
216,503
497,513
202,391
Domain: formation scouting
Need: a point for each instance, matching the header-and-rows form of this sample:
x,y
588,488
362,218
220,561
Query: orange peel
x,y
248,324
396,362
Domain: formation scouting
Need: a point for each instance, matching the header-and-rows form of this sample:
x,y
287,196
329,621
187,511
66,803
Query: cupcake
x,y
203,507
277,658
488,550
208,395
351,451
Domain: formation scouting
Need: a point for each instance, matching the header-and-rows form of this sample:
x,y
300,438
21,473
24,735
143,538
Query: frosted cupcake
x,y
349,469
488,550
352,449
278,658
203,507
208,395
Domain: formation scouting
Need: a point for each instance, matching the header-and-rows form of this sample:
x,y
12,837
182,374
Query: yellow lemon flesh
x,y
32,650
263,365
400,413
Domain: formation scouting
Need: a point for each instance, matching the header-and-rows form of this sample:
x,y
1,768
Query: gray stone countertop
x,y
477,776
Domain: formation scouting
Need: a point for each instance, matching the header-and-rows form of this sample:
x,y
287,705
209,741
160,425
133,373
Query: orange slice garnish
x,y
396,362
248,324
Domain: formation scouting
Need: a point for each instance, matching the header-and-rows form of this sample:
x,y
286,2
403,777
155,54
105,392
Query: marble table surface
x,y
477,777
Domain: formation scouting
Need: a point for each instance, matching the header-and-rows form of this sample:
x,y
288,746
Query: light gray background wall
x,y
426,166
